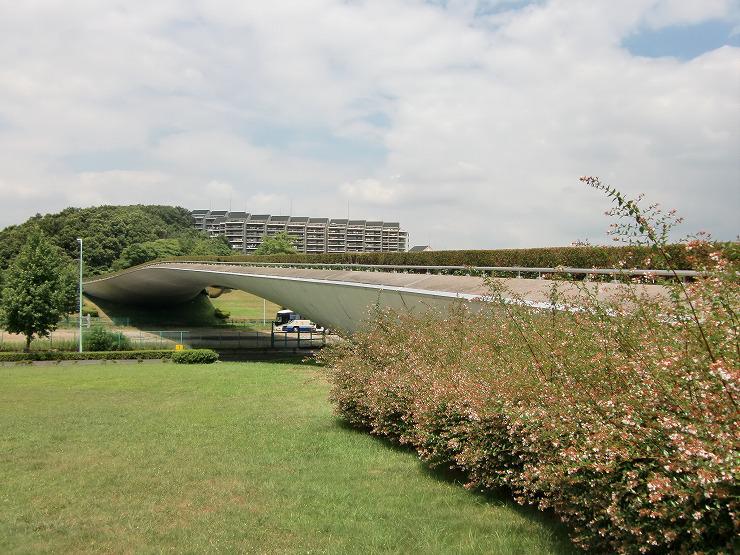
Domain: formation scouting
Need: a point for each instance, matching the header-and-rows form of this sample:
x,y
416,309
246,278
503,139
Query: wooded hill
x,y
115,236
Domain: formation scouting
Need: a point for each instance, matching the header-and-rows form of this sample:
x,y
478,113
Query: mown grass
x,y
240,304
231,457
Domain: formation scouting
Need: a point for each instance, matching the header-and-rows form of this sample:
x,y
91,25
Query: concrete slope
x,y
338,299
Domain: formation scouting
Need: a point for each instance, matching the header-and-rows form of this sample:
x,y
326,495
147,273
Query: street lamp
x,y
80,318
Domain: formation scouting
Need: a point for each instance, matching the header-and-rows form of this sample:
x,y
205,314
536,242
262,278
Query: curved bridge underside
x,y
337,299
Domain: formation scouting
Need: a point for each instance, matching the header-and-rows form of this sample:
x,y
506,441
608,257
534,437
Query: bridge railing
x,y
518,271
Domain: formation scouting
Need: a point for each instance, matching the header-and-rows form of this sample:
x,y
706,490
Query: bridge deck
x,y
336,298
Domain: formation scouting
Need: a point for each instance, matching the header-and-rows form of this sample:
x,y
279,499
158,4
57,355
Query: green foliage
x,y
619,413
635,256
214,246
221,314
190,243
105,230
100,339
87,355
195,356
70,286
38,289
280,243
139,253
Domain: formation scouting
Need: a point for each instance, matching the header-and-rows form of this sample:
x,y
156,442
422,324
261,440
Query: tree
x,y
106,231
215,246
36,289
280,243
190,242
149,250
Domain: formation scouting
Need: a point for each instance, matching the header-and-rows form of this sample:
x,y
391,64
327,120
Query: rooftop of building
x,y
220,216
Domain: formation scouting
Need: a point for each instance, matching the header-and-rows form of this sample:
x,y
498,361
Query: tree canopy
x,y
118,237
105,230
37,289
188,243
280,243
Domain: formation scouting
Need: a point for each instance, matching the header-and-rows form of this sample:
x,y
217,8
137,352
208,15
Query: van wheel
x,y
295,330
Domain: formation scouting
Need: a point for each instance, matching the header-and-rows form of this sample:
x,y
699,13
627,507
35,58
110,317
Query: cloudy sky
x,y
467,121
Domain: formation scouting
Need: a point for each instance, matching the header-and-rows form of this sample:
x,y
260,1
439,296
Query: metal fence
x,y
214,338
297,340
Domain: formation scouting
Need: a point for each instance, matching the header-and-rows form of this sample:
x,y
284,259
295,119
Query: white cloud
x,y
219,189
488,120
371,191
681,12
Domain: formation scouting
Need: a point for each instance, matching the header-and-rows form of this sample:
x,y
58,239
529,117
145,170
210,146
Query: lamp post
x,y
80,315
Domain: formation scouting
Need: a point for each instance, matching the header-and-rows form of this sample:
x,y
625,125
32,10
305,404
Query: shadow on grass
x,y
499,498
198,312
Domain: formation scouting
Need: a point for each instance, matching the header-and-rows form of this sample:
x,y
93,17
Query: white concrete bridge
x,y
335,298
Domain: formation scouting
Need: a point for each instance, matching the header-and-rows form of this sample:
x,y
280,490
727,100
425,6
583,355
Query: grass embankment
x,y
234,457
243,305
200,312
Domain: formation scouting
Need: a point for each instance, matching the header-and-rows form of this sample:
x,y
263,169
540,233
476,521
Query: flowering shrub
x,y
621,414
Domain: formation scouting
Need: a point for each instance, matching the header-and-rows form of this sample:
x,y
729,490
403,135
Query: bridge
x,y
335,297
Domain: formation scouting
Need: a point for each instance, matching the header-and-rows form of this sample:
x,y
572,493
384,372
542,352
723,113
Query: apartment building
x,y
245,231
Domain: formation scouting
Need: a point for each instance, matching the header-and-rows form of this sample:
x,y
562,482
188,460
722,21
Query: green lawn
x,y
233,457
241,304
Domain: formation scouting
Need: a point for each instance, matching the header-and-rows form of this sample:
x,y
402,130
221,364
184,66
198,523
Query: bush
x,y
195,356
92,355
100,339
619,415
221,314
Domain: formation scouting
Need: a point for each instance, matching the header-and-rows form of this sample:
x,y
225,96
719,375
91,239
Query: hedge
x,y
91,355
195,356
572,257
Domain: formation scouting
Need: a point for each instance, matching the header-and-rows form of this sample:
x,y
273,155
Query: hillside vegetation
x,y
115,236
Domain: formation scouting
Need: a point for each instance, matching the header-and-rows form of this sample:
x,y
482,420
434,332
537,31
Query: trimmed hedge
x,y
91,355
572,257
195,356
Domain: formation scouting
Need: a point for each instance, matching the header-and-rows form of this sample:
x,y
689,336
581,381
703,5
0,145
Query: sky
x,y
468,121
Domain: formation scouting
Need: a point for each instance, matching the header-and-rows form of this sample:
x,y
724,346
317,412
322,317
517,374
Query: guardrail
x,y
462,270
